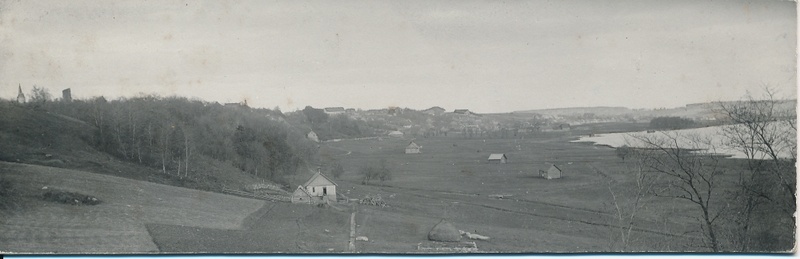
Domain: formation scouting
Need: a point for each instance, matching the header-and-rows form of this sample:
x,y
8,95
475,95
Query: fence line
x,y
268,197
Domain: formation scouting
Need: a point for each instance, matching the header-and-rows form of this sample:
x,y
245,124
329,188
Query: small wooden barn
x,y
413,148
396,134
498,158
319,189
313,136
552,173
300,195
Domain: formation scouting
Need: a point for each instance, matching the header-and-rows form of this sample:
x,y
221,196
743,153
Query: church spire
x,y
20,96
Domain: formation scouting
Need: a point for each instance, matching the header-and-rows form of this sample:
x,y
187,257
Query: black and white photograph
x,y
421,127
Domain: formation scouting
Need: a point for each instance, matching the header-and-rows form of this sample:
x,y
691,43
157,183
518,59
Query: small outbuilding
x,y
396,134
313,136
498,158
413,148
319,189
300,195
552,173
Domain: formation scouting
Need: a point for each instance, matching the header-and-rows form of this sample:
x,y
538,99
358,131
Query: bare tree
x,y
689,169
764,131
629,197
40,95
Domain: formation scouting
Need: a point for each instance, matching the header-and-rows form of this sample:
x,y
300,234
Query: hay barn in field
x,y
552,173
498,158
313,136
413,148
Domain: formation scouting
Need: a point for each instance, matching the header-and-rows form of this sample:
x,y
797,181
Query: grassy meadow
x,y
452,179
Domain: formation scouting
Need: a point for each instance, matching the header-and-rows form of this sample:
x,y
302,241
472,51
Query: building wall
x,y
553,173
300,197
313,136
317,191
498,161
412,151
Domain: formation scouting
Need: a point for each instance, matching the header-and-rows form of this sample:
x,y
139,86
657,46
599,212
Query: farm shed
x,y
552,173
396,134
498,158
413,148
300,195
313,136
319,188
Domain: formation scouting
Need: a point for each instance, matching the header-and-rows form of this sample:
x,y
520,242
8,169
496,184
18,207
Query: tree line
x,y
173,133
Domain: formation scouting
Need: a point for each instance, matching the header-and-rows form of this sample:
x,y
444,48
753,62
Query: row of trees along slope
x,y
174,134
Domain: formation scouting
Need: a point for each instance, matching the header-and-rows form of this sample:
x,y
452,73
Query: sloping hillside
x,y
29,224
34,136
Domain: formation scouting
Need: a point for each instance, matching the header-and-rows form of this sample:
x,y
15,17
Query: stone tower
x,y
66,95
20,96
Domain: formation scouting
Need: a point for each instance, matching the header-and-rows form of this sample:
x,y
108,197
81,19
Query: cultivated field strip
x,y
115,225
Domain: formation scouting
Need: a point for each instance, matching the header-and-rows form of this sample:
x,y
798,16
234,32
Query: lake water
x,y
686,138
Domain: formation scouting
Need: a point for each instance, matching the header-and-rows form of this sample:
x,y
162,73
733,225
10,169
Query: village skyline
x,y
55,96
489,57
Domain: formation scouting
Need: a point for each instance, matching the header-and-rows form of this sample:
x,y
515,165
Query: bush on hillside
x,y
337,171
380,172
624,152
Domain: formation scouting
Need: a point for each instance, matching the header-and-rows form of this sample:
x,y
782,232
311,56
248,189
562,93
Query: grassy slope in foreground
x,y
117,225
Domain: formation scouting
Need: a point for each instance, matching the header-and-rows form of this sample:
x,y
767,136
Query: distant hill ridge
x,y
598,110
687,110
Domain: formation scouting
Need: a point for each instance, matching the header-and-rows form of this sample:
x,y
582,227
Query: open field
x,y
117,225
451,179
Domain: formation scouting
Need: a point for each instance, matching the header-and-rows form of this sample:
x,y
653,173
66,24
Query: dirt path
x,y
352,245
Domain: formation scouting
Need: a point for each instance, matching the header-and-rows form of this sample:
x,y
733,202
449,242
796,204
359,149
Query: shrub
x,y
337,171
381,172
623,152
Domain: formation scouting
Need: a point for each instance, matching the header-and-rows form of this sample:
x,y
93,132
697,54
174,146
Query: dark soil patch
x,y
71,198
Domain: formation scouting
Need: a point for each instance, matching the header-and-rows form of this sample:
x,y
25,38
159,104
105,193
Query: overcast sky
x,y
487,56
